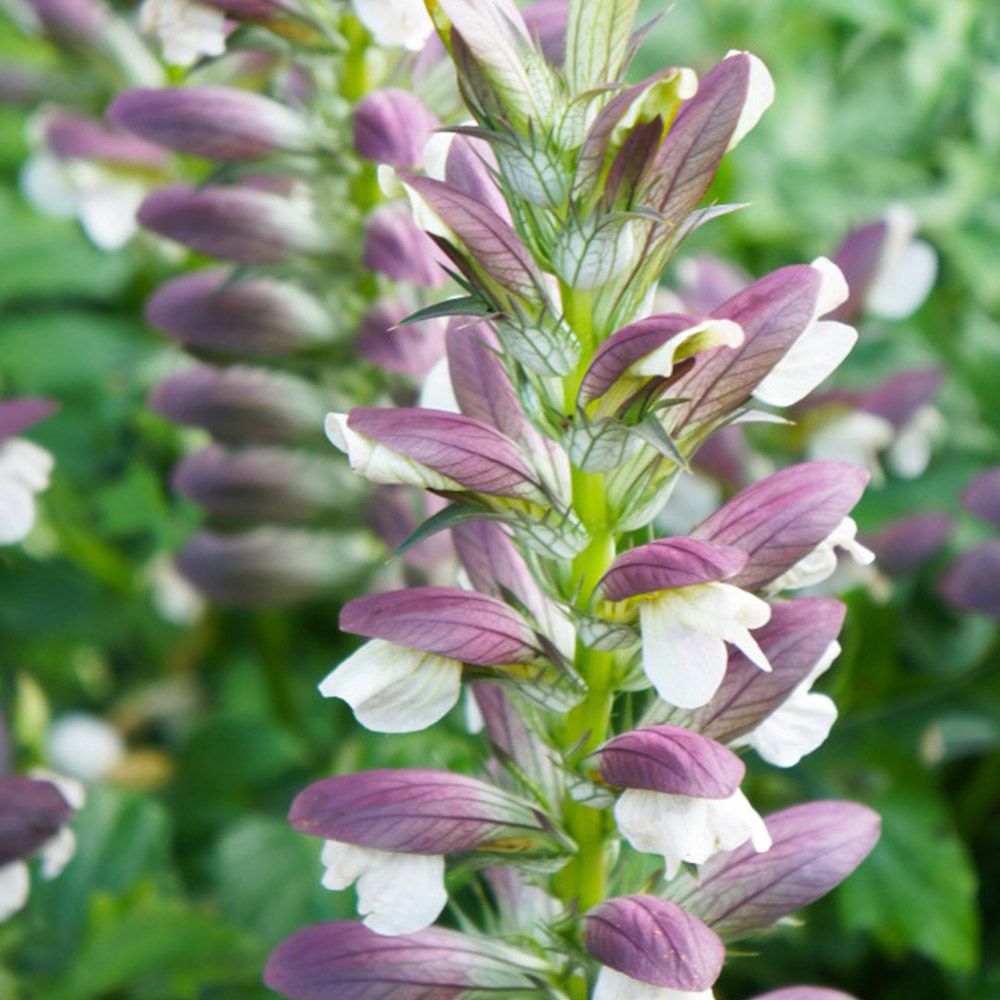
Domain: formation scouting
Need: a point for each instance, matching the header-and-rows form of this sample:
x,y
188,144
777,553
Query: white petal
x,y
820,564
14,885
404,894
84,746
856,438
702,337
614,985
817,353
684,633
56,853
47,187
688,830
393,689
685,665
437,393
907,268
186,31
17,512
760,96
25,462
404,23
108,216
833,289
910,453
797,728
345,863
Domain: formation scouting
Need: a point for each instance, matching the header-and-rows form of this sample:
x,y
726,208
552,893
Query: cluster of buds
x,y
613,671
973,582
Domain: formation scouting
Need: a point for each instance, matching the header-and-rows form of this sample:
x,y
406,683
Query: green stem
x,y
584,878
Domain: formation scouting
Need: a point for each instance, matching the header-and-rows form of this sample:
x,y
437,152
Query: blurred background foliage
x,y
186,873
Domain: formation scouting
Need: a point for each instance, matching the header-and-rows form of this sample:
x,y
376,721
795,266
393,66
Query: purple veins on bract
x,y
654,941
459,624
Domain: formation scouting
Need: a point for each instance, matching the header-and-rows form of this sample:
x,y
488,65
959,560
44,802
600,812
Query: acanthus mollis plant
x,y
313,266
616,673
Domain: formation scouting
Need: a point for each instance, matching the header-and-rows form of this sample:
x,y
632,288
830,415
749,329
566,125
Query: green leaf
x,y
463,305
456,513
917,891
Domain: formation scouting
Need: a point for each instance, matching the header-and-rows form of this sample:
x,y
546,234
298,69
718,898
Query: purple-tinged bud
x,y
241,405
31,814
546,21
347,961
252,10
494,245
71,136
406,350
656,942
265,484
795,639
218,123
899,398
471,167
464,451
982,496
211,311
233,223
392,126
904,545
71,22
815,847
730,99
458,624
805,993
395,512
417,811
725,457
18,415
652,347
671,760
973,583
783,518
773,313
396,247
273,567
707,281
669,564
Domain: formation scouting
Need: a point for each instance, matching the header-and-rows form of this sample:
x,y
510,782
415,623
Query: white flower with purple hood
x,y
390,831
682,795
24,466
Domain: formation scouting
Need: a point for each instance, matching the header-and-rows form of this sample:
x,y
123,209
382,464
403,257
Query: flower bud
x,y
904,545
982,496
71,22
211,311
273,567
241,405
392,126
233,223
394,246
654,941
411,350
973,583
347,961
18,415
31,814
265,484
804,993
71,136
219,123
815,847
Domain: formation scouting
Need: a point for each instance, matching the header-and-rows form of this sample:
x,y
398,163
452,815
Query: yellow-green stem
x,y
583,879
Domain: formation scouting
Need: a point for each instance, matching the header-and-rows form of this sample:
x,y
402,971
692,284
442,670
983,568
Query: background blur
x,y
186,874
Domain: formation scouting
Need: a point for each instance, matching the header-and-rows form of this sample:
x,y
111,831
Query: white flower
x,y
856,437
684,636
84,746
801,724
910,452
685,829
819,564
24,471
104,202
404,23
14,885
614,985
380,464
393,689
818,351
186,31
906,269
397,893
